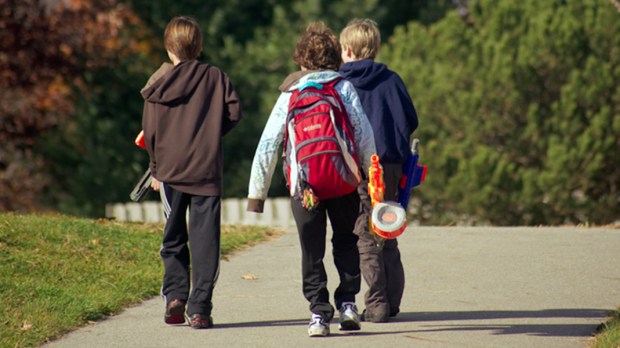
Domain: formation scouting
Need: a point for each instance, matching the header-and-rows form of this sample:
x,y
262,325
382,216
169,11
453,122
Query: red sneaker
x,y
175,312
200,321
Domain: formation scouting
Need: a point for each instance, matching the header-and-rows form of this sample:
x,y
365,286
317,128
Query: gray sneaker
x,y
349,320
318,327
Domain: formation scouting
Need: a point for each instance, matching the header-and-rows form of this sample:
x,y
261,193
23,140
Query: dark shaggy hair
x,y
318,48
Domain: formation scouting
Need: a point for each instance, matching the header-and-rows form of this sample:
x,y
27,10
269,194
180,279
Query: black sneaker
x,y
175,312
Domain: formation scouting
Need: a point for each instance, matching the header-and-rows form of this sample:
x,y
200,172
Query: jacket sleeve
x,y
148,116
233,112
364,137
265,157
149,126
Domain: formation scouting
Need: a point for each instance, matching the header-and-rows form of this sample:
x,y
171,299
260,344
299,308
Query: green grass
x,y
609,336
58,273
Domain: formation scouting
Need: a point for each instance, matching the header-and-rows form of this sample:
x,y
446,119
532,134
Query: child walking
x,y
188,107
392,115
318,54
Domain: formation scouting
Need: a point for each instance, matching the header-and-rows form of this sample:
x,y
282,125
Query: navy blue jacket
x,y
388,107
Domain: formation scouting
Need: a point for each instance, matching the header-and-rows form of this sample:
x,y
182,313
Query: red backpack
x,y
319,148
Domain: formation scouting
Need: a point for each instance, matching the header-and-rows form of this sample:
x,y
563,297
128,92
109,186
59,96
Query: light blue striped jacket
x,y
265,157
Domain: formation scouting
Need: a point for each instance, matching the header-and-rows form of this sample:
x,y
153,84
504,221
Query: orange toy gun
x,y
388,219
376,187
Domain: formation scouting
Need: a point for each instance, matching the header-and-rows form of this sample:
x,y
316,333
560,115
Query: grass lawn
x,y
58,273
609,336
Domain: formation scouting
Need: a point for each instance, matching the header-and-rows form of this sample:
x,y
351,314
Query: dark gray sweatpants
x,y
381,268
203,235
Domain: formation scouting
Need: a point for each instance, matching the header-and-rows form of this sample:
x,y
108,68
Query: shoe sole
x,y
201,326
349,325
175,315
318,332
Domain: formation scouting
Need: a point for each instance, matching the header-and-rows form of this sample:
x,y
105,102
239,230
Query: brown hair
x,y
183,38
318,48
362,36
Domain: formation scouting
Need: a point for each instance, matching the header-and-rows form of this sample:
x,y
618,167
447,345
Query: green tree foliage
x,y
72,70
95,160
519,110
253,41
259,65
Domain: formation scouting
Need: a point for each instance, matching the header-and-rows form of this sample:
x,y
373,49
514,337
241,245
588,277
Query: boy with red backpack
x,y
328,143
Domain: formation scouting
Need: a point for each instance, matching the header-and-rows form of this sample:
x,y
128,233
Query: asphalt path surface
x,y
466,287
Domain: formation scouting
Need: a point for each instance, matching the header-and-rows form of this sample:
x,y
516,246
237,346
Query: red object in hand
x,y
140,140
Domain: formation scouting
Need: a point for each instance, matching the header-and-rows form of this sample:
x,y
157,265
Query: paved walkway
x,y
466,287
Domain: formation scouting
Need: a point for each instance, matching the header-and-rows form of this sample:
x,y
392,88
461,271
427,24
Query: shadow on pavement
x,y
507,314
292,322
560,329
423,318
548,330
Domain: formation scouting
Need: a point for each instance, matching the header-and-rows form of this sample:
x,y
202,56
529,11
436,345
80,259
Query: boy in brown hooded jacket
x,y
187,110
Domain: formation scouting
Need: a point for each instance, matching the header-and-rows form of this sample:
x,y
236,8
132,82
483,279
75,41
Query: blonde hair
x,y
318,48
183,38
363,37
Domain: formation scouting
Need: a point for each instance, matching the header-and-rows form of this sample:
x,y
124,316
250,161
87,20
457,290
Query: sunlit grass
x,y
58,272
609,337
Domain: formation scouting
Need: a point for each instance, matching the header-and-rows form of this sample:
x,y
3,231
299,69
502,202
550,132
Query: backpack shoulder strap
x,y
333,82
311,84
318,85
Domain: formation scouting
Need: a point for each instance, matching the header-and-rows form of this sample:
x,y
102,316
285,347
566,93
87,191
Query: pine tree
x,y
519,111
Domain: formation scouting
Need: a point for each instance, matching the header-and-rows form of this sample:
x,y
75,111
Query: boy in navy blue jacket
x,y
393,118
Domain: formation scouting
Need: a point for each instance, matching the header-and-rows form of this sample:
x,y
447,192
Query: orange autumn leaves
x,y
46,47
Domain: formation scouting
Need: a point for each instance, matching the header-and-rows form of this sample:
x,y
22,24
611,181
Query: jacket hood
x,y
364,73
299,78
176,82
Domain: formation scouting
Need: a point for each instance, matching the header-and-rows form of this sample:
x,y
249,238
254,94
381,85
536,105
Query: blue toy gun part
x,y
413,175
